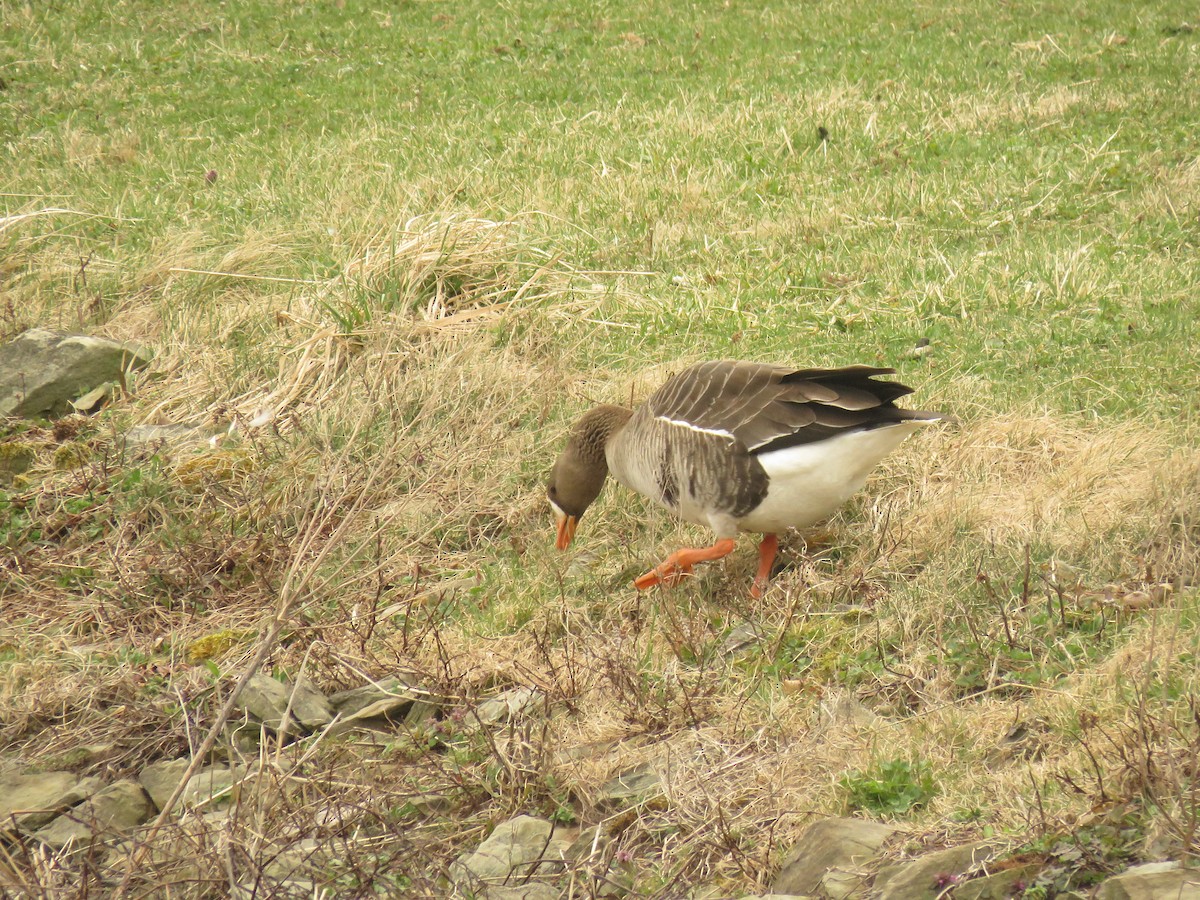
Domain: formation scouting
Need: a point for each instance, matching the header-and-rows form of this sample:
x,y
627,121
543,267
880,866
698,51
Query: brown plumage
x,y
736,446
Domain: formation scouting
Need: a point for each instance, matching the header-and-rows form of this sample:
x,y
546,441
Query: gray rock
x,y
116,810
160,778
295,859
630,788
998,886
267,700
590,844
925,877
212,786
510,848
1152,881
389,697
839,884
42,372
30,801
831,847
507,705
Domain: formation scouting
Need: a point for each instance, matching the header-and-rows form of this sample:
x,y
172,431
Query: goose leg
x,y
766,558
680,563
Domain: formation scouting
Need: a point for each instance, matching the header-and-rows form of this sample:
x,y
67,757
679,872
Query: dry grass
x,y
380,491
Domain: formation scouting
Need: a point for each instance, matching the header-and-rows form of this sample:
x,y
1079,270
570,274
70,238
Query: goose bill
x,y
566,527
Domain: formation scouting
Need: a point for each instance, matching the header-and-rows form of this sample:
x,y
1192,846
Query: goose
x,y
736,447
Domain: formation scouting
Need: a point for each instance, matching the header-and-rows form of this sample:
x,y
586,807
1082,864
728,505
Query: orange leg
x,y
680,563
766,558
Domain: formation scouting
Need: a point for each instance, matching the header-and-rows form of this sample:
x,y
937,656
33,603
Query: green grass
x,y
286,203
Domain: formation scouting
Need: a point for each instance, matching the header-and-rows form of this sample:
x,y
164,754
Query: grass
x,y
396,252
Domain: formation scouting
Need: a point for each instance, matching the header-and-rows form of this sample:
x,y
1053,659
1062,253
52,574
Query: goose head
x,y
579,472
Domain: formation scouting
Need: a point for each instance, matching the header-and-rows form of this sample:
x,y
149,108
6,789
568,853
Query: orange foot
x,y
766,558
680,563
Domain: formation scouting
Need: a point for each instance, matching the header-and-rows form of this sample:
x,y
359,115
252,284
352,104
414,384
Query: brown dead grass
x,y
388,478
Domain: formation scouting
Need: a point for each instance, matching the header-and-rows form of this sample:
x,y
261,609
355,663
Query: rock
x,y
42,372
631,788
160,778
999,885
267,700
389,697
589,845
1152,881
212,786
507,705
926,877
80,756
294,859
831,847
840,885
512,847
30,801
116,809
432,804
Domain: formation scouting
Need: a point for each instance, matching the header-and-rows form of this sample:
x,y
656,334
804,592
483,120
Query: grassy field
x,y
399,249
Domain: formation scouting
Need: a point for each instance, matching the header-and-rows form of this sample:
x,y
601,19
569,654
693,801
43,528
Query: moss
x,y
16,457
214,644
71,455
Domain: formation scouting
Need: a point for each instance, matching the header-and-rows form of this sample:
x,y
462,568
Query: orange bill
x,y
566,529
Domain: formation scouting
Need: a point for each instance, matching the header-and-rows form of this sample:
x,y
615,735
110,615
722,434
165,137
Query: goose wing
x,y
768,407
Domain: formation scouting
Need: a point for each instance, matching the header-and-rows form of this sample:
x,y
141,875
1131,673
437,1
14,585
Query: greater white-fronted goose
x,y
736,446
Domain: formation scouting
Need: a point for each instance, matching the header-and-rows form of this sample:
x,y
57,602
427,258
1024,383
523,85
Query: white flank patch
x,y
810,481
718,432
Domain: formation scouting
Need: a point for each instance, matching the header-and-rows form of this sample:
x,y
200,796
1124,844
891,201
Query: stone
x,y
42,372
387,698
843,846
32,800
926,877
1000,885
1152,881
589,845
81,756
115,810
507,705
212,786
160,778
630,788
294,859
511,848
841,885
267,700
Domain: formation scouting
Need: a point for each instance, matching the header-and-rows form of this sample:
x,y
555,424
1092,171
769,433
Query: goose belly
x,y
809,482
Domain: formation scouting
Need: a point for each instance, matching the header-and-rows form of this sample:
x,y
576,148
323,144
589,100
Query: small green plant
x,y
890,789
